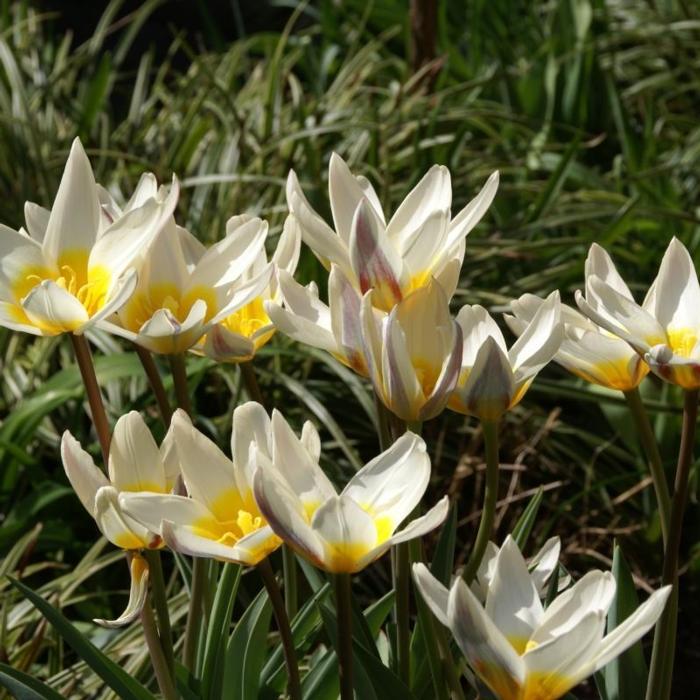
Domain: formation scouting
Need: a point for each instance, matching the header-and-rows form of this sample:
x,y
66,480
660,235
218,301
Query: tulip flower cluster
x,y
525,631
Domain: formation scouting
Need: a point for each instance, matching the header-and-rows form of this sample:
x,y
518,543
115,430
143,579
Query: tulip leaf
x,y
376,613
304,624
523,528
126,687
443,561
24,687
625,676
321,682
246,650
217,630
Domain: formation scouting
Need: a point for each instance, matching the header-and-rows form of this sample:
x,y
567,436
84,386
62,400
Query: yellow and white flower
x,y
237,337
73,267
493,379
414,353
334,328
421,241
136,464
665,329
184,289
522,651
220,519
587,350
343,533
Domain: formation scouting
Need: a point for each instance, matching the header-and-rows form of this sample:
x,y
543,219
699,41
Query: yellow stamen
x,y
682,341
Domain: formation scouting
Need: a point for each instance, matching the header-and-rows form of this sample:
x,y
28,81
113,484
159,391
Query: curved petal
x,y
252,431
462,224
477,325
392,484
138,591
434,594
53,309
118,527
423,525
222,345
600,264
134,458
85,478
151,509
344,303
37,219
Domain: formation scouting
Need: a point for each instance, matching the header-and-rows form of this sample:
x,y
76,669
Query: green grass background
x,y
590,111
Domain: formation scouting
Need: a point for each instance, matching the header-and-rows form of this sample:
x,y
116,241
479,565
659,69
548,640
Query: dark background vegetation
x,y
590,111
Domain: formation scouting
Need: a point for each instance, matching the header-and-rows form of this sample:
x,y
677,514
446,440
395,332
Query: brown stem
x,y
154,379
83,357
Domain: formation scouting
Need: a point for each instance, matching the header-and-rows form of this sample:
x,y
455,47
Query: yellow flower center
x,y
165,295
682,341
427,375
247,320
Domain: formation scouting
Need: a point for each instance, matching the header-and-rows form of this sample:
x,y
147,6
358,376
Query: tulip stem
x,y
651,448
160,600
343,604
194,614
83,357
156,653
403,602
154,379
661,671
250,381
488,512
178,369
290,655
383,423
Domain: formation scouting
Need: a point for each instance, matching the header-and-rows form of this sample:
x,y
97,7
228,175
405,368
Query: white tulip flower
x,y
587,350
421,241
342,533
519,649
220,519
136,464
494,379
414,353
184,289
74,266
665,328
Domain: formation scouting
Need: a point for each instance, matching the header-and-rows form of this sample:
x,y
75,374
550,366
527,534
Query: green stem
x,y
289,569
651,449
383,423
83,357
343,604
160,600
195,612
402,602
154,379
155,651
179,372
250,382
488,513
290,654
661,670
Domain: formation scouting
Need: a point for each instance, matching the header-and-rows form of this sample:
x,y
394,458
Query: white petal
x,y
600,264
344,303
37,218
138,591
487,650
286,255
423,525
53,309
311,440
152,509
284,511
392,484
477,325
513,602
75,215
134,459
118,527
462,224
447,379
545,562
85,478
163,333
252,431
170,460
434,593
223,345
235,297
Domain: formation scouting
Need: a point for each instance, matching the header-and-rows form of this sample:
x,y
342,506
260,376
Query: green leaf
x,y
376,613
626,676
321,682
126,687
24,687
217,630
523,528
442,565
246,650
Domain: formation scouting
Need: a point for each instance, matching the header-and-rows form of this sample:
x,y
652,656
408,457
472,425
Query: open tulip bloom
x,y
237,337
665,329
75,263
414,353
136,464
184,289
522,651
492,378
342,533
220,519
421,241
587,350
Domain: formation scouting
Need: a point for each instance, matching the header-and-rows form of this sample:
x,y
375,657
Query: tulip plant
x,y
501,626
